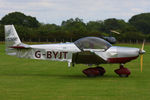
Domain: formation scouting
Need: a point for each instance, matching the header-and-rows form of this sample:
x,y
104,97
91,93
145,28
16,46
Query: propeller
x,y
142,52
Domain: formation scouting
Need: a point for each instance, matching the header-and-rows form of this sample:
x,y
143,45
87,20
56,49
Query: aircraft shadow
x,y
79,76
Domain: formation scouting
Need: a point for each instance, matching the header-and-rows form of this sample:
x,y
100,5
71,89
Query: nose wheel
x,y
122,71
93,72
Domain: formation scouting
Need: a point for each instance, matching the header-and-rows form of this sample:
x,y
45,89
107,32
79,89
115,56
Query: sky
x,y
55,11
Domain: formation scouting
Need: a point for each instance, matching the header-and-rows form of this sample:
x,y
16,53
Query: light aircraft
x,y
88,50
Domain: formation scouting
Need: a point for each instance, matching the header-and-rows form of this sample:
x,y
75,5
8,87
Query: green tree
x,y
95,26
18,18
113,24
141,22
76,27
29,29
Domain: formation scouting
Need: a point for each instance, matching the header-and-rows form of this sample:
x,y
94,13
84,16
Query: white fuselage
x,y
65,51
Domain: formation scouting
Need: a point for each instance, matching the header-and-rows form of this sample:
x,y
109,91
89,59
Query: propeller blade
x,y
141,63
143,45
142,51
114,32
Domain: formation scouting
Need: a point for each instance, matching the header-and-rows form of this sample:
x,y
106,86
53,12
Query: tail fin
x,y
11,39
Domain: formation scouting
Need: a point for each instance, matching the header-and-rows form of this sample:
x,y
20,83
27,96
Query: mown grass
x,y
26,79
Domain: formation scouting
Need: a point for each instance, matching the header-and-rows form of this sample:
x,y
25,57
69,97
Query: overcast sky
x,y
54,11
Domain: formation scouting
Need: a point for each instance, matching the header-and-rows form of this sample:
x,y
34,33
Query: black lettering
x,y
49,54
38,54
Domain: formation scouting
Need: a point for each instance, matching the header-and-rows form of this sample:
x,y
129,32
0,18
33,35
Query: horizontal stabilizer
x,y
21,46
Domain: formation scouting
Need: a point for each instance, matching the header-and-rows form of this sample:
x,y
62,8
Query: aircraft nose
x,y
127,52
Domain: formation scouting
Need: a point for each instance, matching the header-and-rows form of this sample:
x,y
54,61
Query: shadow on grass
x,y
85,77
78,76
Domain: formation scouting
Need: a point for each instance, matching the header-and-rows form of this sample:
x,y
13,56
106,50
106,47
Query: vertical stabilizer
x,y
11,39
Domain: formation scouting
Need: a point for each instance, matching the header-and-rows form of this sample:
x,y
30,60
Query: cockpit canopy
x,y
92,43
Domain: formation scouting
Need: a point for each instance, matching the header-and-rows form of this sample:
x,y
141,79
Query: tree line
x,y
31,30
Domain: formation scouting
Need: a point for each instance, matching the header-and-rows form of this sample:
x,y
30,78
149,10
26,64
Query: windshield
x,y
92,43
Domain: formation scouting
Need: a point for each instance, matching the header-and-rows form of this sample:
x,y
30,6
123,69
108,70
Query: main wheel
x,y
93,72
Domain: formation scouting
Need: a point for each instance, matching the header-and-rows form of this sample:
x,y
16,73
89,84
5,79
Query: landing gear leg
x,y
93,72
122,71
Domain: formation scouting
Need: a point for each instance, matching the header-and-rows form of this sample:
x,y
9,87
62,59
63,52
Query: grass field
x,y
25,79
